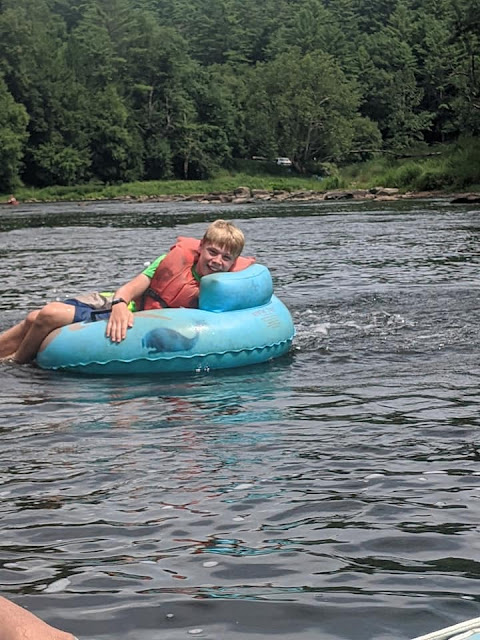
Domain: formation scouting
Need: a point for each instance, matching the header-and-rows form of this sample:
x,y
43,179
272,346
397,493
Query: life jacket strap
x,y
153,294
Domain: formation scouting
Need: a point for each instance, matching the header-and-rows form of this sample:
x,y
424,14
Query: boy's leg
x,y
52,316
12,338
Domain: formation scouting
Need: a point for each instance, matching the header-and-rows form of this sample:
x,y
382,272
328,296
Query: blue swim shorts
x,y
84,312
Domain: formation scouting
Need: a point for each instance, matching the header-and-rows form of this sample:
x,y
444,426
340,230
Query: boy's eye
x,y
225,256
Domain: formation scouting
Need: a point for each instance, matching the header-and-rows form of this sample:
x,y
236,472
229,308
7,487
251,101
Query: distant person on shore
x,y
17,623
12,200
172,280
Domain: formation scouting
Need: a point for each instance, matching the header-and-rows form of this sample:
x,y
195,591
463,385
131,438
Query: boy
x,y
172,280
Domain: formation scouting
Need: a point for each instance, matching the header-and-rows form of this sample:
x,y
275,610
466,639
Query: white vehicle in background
x,y
283,162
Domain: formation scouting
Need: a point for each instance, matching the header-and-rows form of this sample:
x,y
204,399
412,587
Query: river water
x,y
332,494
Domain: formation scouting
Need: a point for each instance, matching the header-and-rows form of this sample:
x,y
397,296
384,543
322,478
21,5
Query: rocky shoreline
x,y
245,195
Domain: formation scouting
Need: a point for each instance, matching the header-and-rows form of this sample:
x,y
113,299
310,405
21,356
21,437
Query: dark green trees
x,y
116,90
13,137
303,107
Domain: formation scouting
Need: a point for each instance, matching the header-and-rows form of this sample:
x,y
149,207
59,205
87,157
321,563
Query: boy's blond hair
x,y
226,236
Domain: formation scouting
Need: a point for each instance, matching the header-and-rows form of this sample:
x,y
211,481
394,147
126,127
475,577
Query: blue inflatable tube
x,y
239,322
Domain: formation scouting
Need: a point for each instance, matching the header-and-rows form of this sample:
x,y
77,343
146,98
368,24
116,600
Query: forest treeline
x,y
122,90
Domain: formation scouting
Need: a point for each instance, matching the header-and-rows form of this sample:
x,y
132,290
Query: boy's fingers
x,y
117,329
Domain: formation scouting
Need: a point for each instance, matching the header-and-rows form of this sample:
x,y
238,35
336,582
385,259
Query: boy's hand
x,y
121,319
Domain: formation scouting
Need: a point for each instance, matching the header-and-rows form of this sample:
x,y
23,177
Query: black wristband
x,y
117,300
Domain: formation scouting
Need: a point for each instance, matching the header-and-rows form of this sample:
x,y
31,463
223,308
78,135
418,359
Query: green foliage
x,y
157,158
464,163
91,50
432,179
451,167
301,107
225,182
59,164
308,29
466,32
13,137
366,140
116,149
393,97
259,168
443,172
333,182
405,175
117,90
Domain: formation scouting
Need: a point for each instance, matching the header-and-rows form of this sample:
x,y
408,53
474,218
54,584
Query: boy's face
x,y
213,259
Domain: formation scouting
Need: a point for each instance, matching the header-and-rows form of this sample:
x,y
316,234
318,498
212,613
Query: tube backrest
x,y
235,290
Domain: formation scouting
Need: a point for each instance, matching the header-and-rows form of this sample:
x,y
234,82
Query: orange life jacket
x,y
173,283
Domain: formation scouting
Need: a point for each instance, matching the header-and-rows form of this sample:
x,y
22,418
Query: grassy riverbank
x,y
449,168
223,183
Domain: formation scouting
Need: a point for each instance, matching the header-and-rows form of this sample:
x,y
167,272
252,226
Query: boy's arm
x,y
121,318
